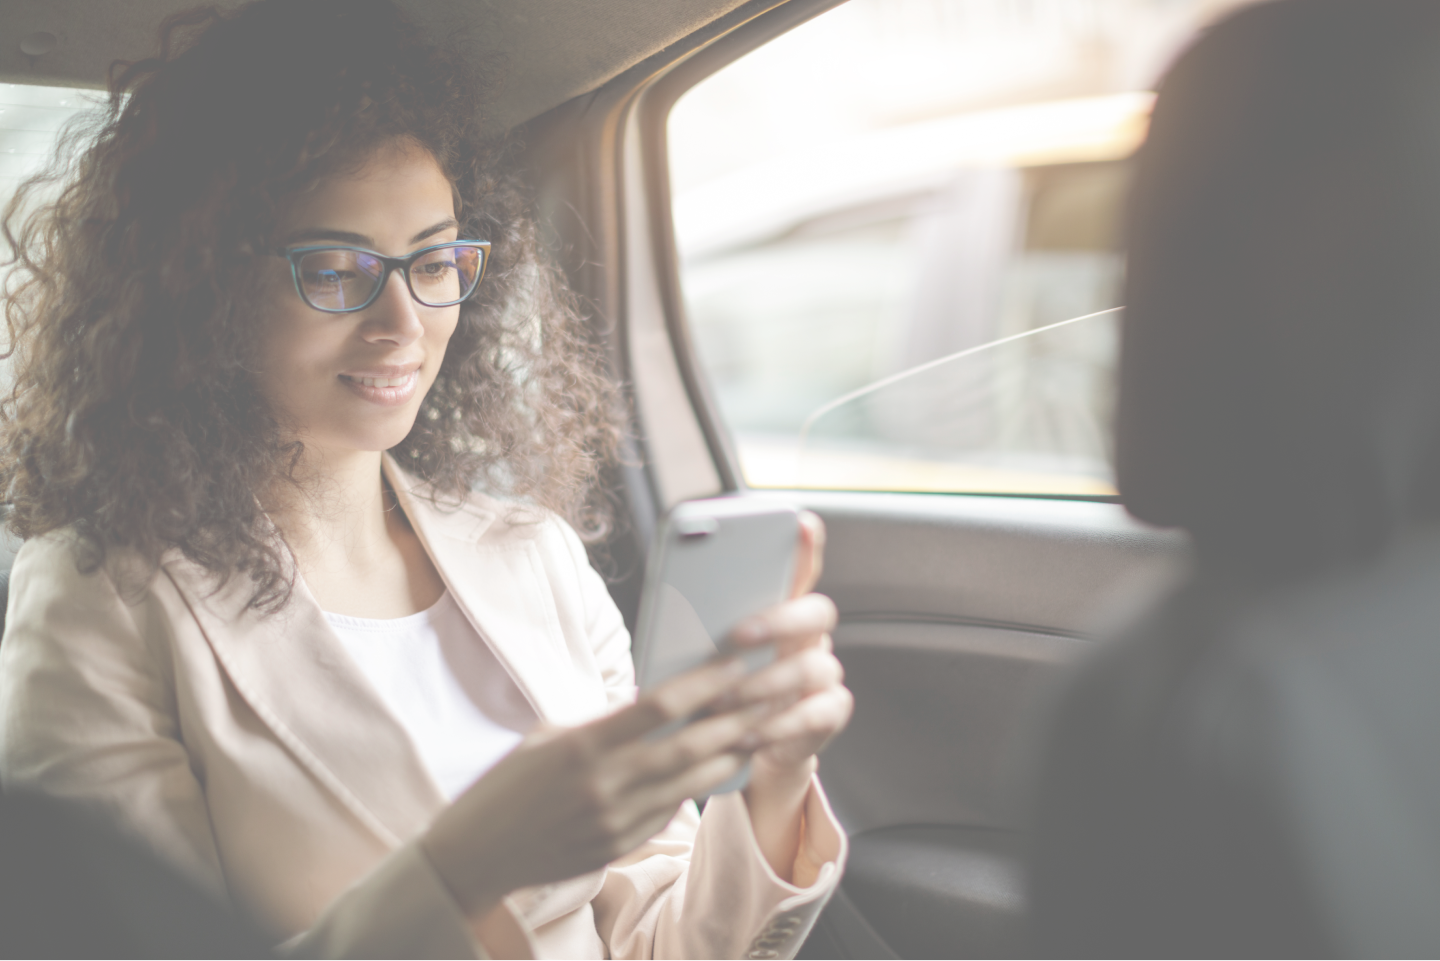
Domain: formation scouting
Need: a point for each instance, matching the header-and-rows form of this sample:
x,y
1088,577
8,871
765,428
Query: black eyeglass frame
x,y
390,264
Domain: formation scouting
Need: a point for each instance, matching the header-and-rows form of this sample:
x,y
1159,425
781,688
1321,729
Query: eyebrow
x,y
361,240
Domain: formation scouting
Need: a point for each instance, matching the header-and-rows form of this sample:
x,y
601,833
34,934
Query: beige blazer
x,y
250,750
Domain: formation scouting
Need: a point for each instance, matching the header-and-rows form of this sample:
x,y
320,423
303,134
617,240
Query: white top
x,y
442,682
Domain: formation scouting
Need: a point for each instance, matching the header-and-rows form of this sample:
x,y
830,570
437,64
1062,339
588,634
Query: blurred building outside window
x,y
900,234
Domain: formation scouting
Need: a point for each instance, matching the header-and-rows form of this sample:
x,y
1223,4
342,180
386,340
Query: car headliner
x,y
549,50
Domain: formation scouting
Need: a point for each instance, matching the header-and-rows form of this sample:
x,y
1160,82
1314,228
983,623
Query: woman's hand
x,y
805,690
568,801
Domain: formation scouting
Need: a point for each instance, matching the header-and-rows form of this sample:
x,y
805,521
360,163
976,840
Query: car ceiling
x,y
548,51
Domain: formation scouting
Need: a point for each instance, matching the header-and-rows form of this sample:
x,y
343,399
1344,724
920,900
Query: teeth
x,y
384,381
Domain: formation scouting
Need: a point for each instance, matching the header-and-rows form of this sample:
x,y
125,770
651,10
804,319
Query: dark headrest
x,y
1279,387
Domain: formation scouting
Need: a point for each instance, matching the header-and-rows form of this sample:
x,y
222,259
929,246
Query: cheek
x,y
294,353
438,335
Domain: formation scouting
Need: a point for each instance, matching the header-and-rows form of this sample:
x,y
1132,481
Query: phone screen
x,y
715,562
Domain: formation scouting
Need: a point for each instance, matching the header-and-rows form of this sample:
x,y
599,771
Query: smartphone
x,y
714,563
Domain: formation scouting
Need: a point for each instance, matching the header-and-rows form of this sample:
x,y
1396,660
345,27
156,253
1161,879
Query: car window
x,y
31,120
864,204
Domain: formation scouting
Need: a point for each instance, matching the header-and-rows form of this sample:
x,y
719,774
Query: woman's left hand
x,y
805,685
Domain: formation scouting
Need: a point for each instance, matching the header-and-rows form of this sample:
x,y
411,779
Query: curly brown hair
x,y
135,417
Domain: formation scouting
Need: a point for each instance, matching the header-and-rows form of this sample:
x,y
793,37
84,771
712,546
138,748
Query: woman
x,y
261,620
1253,768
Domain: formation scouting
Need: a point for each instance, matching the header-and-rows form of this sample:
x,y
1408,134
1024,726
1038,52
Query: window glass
x,y
31,119
899,230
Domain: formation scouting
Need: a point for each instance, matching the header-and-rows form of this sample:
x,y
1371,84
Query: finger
x,y
818,718
677,698
693,782
704,778
809,554
791,678
656,804
794,624
624,829
695,744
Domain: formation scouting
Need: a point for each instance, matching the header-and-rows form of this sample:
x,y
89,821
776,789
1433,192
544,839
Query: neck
x,y
354,548
339,503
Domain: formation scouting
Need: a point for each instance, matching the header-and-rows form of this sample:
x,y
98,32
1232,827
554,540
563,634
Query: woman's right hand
x,y
571,800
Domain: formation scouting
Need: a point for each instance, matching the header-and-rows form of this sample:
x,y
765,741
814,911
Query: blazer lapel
x,y
495,571
297,677
295,674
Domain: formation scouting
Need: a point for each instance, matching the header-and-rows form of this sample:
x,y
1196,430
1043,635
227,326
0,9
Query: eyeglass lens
x,y
345,279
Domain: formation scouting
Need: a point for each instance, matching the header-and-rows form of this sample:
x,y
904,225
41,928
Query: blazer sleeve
x,y
87,707
702,888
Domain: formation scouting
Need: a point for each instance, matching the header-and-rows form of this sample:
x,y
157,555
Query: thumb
x,y
809,554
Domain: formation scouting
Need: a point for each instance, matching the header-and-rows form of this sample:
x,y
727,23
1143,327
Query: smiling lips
x,y
387,387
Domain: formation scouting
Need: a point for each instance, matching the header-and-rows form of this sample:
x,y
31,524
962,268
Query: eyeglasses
x,y
338,280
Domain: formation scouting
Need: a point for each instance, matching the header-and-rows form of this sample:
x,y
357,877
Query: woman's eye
x,y
327,278
435,270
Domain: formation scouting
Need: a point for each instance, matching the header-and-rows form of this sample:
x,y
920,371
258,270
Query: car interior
x,y
960,598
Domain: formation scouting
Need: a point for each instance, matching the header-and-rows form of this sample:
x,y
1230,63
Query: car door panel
x,y
1026,562
939,891
937,707
956,613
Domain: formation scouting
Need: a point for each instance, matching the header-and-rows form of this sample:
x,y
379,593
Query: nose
x,y
394,316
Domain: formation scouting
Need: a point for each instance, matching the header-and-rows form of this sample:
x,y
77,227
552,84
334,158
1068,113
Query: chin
x,y
369,437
